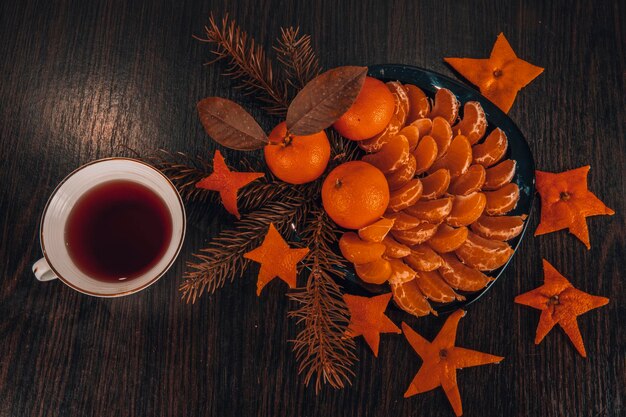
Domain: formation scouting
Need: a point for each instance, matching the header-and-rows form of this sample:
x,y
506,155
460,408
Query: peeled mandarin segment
x,y
412,134
425,154
474,122
419,234
435,184
403,220
405,196
500,174
446,106
435,288
460,276
403,175
419,105
423,258
391,156
358,251
469,182
395,249
376,272
458,158
423,126
433,211
466,209
409,298
377,231
483,254
503,200
499,227
400,272
491,150
376,143
448,239
402,110
441,132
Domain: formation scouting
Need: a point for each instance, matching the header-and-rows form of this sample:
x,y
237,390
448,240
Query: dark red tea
x,y
118,231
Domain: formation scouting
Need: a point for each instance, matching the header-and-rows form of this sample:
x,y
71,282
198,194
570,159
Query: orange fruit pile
x,y
450,188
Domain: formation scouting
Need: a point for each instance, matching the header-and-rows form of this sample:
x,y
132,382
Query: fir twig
x,y
297,57
321,349
223,259
247,63
342,150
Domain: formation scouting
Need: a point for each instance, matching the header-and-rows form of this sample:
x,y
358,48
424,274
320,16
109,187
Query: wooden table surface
x,y
80,79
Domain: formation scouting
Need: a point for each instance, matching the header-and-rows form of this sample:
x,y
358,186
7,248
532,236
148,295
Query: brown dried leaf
x,y
324,99
230,125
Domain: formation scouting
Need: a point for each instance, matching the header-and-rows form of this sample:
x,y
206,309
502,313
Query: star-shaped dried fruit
x,y
560,303
499,77
368,319
441,360
227,182
277,259
566,203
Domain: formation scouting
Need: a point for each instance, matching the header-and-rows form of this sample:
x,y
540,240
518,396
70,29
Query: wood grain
x,y
84,79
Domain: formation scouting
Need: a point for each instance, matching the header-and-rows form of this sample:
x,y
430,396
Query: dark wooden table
x,y
80,79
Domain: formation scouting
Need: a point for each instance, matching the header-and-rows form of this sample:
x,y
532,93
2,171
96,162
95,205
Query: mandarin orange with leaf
x,y
369,114
296,159
355,194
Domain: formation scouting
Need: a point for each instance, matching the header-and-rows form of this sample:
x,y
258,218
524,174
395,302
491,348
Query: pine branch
x,y
321,349
247,63
297,57
223,259
342,149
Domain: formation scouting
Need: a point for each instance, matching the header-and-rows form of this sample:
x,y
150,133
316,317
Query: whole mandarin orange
x,y
355,194
369,114
296,159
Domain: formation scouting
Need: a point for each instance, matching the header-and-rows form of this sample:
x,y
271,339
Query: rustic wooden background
x,y
81,78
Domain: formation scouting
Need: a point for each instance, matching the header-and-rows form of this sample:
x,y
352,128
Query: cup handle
x,y
42,271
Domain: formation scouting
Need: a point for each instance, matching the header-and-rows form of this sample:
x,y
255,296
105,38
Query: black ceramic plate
x,y
518,150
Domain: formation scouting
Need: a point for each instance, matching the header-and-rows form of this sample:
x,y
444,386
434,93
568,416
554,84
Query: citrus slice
x,y
403,175
403,220
460,276
492,149
409,298
423,126
405,196
483,254
377,231
498,227
469,182
435,184
446,106
376,272
402,110
448,239
433,211
412,134
503,200
419,105
400,272
391,156
474,122
466,209
376,143
434,288
395,249
419,234
425,154
499,175
359,251
458,158
442,133
423,258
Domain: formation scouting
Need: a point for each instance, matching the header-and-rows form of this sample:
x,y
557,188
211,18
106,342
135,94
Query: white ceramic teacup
x,y
57,262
